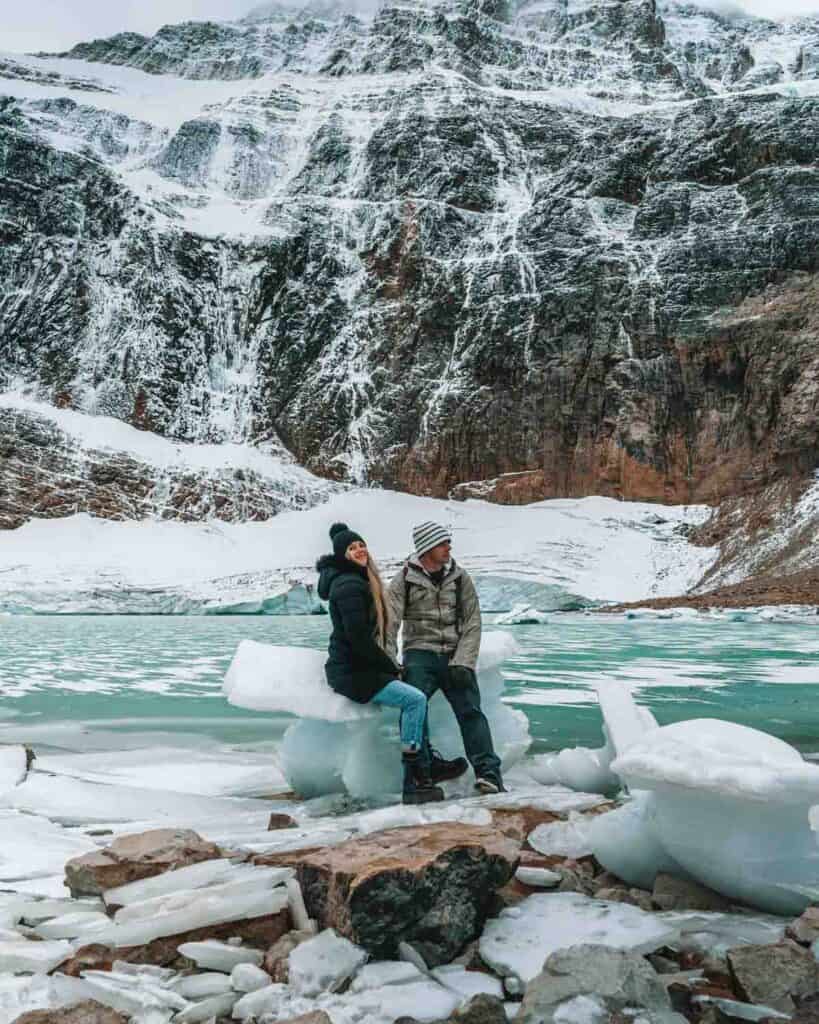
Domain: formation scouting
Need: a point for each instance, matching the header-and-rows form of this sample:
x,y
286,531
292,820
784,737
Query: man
x,y
438,605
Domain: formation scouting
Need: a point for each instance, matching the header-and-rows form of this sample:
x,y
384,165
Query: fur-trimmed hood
x,y
329,567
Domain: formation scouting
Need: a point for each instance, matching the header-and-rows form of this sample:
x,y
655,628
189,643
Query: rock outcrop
x,y
590,981
431,886
132,858
89,1011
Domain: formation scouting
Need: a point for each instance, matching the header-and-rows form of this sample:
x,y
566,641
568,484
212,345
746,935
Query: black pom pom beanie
x,y
342,537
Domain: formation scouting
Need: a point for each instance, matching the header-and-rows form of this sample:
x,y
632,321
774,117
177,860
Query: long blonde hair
x,y
382,611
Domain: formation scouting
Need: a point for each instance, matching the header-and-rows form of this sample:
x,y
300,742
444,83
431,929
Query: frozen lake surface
x,y
92,683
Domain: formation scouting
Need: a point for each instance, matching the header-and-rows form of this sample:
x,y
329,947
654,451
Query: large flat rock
x,y
429,885
132,858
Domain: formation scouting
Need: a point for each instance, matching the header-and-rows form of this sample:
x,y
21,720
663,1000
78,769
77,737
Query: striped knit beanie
x,y
426,536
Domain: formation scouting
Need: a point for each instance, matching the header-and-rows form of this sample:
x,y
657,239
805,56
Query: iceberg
x,y
589,770
724,804
339,746
731,805
522,615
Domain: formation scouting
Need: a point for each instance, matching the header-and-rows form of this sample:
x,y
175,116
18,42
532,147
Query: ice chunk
x,y
264,1002
424,1000
709,782
625,843
130,993
215,1006
538,878
200,986
324,963
713,934
731,1008
69,926
33,911
563,838
579,768
193,876
196,909
496,648
385,972
583,1010
522,615
252,881
467,983
33,846
625,722
219,956
248,978
589,769
19,995
13,767
74,801
338,745
32,957
265,677
516,944
298,911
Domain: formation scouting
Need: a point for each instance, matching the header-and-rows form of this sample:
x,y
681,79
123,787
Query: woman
x,y
358,666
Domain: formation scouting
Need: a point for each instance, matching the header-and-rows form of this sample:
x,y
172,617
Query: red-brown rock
x,y
87,1012
431,886
132,858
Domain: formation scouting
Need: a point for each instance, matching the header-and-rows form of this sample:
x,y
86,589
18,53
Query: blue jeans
x,y
413,705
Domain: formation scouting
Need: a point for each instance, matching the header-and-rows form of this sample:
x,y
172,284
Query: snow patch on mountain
x,y
104,433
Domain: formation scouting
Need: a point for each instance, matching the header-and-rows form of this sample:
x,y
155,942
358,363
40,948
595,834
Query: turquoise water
x,y
67,682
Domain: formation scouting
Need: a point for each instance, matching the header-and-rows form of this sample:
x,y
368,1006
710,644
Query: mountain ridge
x,y
439,243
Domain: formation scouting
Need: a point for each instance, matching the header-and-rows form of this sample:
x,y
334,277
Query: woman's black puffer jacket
x,y
356,666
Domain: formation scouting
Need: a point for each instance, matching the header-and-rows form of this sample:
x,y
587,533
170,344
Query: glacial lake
x,y
85,683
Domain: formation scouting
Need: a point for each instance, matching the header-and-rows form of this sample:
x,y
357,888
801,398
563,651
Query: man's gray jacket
x,y
429,614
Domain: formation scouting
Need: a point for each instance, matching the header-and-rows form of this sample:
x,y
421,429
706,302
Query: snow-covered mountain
x,y
549,248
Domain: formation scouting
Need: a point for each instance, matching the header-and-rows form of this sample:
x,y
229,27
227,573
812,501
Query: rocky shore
x,y
800,588
485,910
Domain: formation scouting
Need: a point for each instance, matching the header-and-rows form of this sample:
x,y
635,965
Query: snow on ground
x,y
599,548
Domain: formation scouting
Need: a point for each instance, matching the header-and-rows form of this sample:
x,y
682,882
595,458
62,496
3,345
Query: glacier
x,y
556,553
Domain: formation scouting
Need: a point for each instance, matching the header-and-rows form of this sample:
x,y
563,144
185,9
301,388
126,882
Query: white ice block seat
x,y
337,744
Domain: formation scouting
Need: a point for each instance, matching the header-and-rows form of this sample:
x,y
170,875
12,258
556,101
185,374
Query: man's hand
x,y
461,677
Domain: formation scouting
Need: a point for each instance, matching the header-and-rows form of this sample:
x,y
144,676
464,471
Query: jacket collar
x,y
416,573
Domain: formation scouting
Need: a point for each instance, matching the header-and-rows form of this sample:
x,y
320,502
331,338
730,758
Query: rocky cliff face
x,y
519,250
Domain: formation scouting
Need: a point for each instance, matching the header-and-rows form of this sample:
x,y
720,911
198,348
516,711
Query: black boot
x,y
442,770
418,787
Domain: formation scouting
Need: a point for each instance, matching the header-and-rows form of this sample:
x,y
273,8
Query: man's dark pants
x,y
429,672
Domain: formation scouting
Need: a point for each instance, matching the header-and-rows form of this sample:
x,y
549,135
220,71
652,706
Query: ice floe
x,y
516,943
522,615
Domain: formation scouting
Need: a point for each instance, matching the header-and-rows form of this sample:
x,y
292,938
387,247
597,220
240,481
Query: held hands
x,y
461,677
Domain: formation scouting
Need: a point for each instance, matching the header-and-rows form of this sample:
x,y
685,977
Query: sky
x,y
53,25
